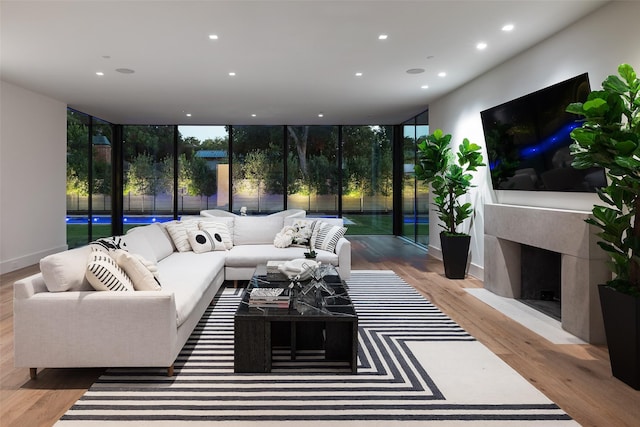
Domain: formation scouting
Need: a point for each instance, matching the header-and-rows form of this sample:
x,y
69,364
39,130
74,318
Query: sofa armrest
x,y
343,250
29,286
94,328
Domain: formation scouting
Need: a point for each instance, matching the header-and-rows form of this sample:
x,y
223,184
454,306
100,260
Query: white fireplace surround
x,y
584,266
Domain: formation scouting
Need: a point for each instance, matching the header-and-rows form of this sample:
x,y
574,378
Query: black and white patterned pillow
x,y
104,274
220,232
109,244
326,236
204,241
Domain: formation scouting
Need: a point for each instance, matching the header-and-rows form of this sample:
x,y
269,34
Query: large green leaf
x,y
628,74
626,147
596,106
613,83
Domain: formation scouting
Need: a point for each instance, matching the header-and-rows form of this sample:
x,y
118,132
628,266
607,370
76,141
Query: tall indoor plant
x,y
450,179
610,138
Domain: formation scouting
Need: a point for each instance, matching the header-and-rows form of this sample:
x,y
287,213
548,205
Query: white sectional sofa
x,y
60,321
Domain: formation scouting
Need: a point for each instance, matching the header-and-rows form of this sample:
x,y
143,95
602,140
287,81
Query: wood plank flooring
x,y
576,377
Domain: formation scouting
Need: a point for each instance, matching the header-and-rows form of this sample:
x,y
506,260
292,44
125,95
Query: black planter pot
x,y
621,313
455,250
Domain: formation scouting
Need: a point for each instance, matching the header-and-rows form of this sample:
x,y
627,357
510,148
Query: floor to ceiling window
x,y
415,195
77,178
203,169
367,178
165,172
102,169
148,168
312,165
257,168
89,178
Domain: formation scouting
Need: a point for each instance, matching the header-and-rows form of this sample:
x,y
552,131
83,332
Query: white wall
x,y
33,146
596,44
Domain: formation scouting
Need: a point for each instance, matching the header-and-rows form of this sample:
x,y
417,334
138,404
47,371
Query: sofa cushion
x,y
253,255
137,243
256,230
326,236
104,274
139,239
66,271
188,275
178,231
139,270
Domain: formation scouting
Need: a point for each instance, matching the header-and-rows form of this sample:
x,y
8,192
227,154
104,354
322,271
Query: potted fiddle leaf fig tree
x,y
610,138
450,179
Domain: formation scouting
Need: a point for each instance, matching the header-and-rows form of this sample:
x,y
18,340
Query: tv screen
x,y
528,141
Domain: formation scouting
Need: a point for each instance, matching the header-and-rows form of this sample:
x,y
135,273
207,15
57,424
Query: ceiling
x,y
293,59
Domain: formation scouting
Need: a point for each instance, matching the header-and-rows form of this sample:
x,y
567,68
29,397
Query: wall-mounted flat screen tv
x,y
528,141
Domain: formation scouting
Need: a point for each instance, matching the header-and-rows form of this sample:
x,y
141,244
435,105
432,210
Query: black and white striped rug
x,y
415,367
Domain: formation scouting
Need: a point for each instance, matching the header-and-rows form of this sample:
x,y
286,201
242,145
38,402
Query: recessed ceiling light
x,y
415,70
321,115
213,36
232,74
481,46
442,74
253,115
188,114
424,87
358,74
125,70
99,73
508,27
383,37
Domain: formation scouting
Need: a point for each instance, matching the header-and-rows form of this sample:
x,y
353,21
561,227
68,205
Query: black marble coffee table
x,y
320,316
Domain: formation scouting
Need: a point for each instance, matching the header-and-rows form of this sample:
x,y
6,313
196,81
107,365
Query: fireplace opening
x,y
540,280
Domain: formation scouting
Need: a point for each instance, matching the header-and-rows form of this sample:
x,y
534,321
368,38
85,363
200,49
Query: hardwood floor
x,y
576,377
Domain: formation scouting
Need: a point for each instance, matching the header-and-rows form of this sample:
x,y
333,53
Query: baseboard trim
x,y
13,264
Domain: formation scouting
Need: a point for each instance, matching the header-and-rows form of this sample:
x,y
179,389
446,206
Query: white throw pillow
x,y
104,274
67,270
326,236
178,232
139,270
220,233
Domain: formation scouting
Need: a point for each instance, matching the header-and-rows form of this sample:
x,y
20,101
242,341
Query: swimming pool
x,y
130,219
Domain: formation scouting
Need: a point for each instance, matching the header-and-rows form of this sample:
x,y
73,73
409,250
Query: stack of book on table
x,y
270,297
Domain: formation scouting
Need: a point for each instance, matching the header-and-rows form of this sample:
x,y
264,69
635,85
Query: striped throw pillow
x,y
326,236
178,230
104,274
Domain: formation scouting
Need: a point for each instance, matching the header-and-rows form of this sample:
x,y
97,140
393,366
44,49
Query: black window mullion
x,y
230,169
90,179
175,172
340,171
117,180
